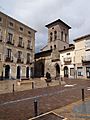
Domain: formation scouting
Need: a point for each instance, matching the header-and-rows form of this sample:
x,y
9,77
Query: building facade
x,y
58,39
17,48
82,56
64,59
67,58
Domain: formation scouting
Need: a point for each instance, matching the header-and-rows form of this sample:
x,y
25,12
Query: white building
x,y
67,59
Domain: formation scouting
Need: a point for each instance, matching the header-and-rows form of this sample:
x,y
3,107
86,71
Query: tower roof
x,y
57,22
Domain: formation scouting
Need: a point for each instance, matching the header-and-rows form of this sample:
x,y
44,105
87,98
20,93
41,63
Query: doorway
x,y
65,71
57,70
18,72
7,71
27,72
41,68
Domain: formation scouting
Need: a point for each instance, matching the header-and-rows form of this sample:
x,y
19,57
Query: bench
x,y
21,82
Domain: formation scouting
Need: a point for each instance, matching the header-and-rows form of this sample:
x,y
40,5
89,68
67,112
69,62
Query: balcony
x,y
10,42
29,48
67,60
20,60
86,59
28,62
8,59
20,45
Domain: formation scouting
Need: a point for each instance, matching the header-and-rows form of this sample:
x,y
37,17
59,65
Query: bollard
x,y
83,95
13,89
32,85
35,108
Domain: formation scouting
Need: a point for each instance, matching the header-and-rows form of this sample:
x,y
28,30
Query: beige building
x,y
49,57
17,48
82,56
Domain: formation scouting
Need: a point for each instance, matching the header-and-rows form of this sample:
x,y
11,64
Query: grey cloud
x,y
38,13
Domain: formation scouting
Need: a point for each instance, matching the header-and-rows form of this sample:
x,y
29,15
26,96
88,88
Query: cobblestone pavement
x,y
20,105
70,113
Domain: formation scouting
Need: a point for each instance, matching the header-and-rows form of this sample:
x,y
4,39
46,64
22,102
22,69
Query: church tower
x,y
58,35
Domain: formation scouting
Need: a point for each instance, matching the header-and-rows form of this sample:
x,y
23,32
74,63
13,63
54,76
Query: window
x,y
0,57
62,35
0,35
80,71
8,53
29,32
10,36
11,24
21,29
64,47
51,36
55,35
71,71
51,47
28,57
20,41
29,43
65,37
68,53
0,19
19,54
54,46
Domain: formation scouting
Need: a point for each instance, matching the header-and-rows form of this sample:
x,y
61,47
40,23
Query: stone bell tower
x,y
58,35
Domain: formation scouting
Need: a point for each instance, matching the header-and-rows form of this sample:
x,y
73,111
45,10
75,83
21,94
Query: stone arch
x,y
57,67
7,71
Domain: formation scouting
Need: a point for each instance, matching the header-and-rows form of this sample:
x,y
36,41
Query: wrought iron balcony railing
x,y
8,58
20,60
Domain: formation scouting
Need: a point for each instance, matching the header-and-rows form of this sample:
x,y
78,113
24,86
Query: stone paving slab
x,y
70,114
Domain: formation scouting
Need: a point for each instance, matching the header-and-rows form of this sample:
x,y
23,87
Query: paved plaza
x,y
64,100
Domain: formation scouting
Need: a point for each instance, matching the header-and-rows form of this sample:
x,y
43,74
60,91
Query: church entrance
x,y
41,67
57,70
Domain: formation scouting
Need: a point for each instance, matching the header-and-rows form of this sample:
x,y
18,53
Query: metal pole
x,y
83,98
32,85
35,108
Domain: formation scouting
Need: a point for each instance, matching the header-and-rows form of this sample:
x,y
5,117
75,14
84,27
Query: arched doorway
x,y
57,70
18,72
41,67
27,72
65,71
7,71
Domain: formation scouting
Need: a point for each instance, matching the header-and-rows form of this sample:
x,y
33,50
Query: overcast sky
x,y
38,13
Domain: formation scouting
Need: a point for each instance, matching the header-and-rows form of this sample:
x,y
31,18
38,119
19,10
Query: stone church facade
x,y
49,57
